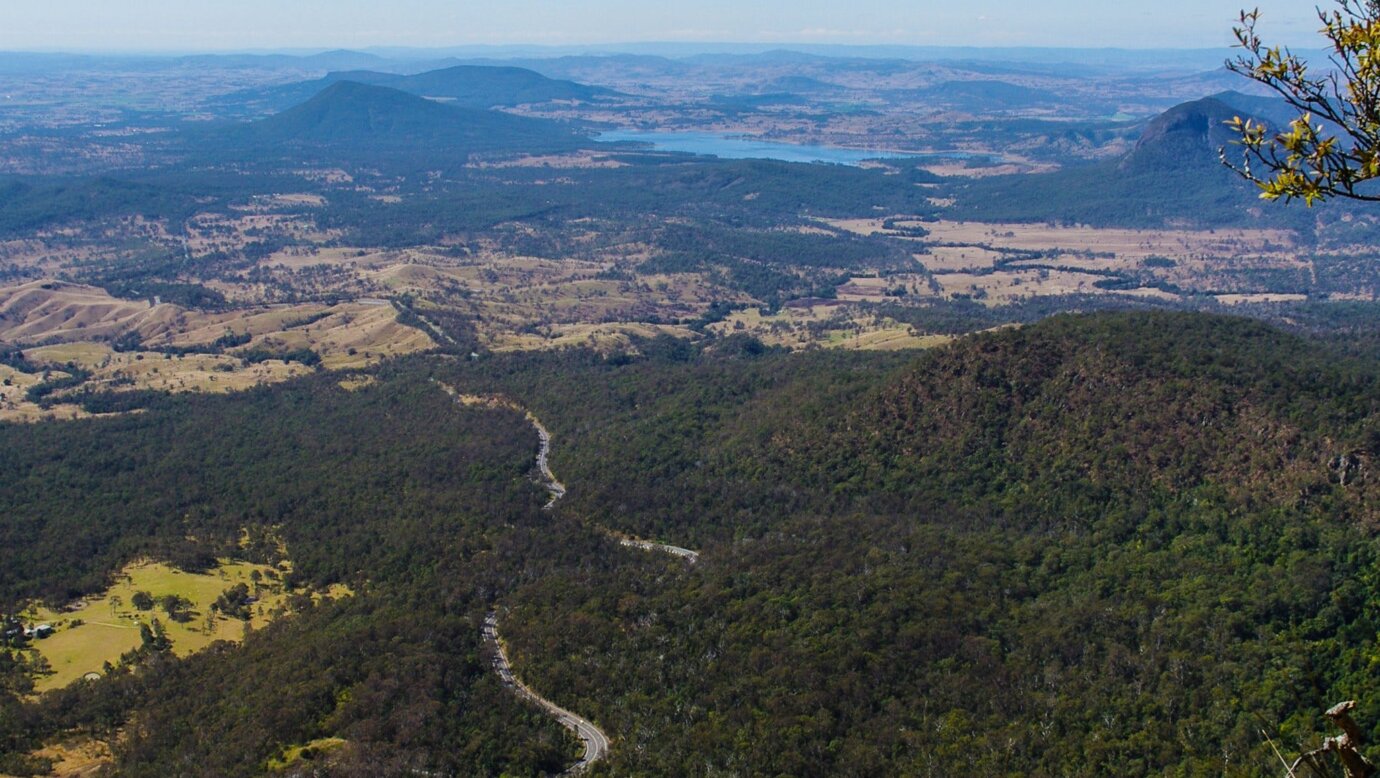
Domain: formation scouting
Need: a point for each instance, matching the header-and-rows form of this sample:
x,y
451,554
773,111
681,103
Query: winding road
x,y
647,545
596,742
555,488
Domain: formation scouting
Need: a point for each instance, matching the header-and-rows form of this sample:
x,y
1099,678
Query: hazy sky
x,y
190,25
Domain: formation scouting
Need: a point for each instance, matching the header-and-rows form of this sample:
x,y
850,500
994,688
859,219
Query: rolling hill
x,y
990,94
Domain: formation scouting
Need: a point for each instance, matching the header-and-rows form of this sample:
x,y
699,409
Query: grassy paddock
x,y
101,629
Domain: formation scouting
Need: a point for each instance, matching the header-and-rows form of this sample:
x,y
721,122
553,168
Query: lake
x,y
738,147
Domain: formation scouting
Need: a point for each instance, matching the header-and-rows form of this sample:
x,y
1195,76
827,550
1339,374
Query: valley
x,y
729,412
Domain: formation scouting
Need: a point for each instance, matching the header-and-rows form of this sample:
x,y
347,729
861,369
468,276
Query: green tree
x,y
1333,148
178,608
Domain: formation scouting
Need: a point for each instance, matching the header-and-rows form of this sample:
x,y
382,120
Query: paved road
x,y
596,742
557,491
554,487
647,545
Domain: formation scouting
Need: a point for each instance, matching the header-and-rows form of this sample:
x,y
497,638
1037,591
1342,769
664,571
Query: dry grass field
x,y
349,336
604,338
266,217
522,302
78,756
1123,243
41,311
15,408
65,324
1003,286
828,326
877,289
587,160
949,259
214,373
1252,299
1012,165
1137,244
994,262
354,383
306,752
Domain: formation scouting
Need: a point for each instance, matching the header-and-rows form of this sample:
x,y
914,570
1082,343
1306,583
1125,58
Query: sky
x,y
220,25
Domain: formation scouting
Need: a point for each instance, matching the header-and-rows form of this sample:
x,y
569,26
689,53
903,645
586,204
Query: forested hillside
x,y
423,508
1110,544
1117,544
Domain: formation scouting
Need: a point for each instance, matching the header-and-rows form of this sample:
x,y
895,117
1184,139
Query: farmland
x,y
98,630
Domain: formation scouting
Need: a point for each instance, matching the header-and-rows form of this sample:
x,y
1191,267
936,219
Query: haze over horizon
x,y
170,26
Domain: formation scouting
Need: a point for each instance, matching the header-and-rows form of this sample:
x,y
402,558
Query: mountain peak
x,y
1187,135
473,86
356,117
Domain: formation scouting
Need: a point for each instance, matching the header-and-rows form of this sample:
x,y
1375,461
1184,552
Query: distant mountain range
x,y
991,94
470,86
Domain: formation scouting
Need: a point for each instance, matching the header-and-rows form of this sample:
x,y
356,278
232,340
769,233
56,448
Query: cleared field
x,y
949,259
355,383
39,257
1248,299
857,226
876,289
15,408
526,303
55,310
600,337
209,233
204,329
573,161
1123,243
1003,262
299,258
1013,166
827,326
348,336
74,324
101,629
76,757
1002,286
887,336
288,201
214,373
1136,244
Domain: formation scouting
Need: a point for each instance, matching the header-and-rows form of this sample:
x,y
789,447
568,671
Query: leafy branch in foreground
x,y
1333,148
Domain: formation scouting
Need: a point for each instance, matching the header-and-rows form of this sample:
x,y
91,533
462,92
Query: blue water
x,y
731,147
